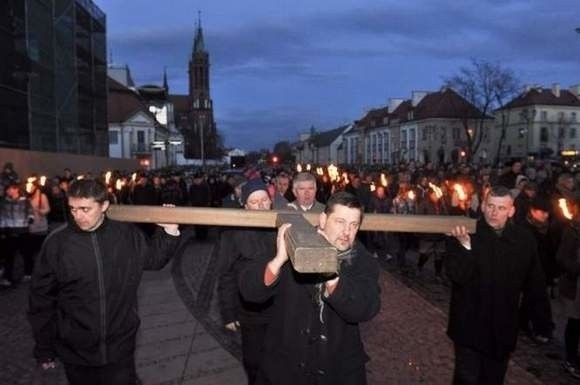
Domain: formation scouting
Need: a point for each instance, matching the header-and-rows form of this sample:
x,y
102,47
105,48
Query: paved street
x,y
182,340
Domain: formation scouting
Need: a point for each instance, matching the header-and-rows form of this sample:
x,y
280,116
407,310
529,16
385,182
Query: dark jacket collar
x,y
488,232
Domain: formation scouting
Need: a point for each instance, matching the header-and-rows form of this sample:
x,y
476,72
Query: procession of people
x,y
299,328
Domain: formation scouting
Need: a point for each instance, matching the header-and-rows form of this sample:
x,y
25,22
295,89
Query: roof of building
x,y
544,96
180,103
446,104
326,138
123,103
374,117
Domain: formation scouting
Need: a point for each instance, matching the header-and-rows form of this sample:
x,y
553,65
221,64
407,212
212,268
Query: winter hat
x,y
540,203
252,185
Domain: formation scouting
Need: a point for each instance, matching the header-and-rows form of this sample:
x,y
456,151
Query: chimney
x,y
575,89
394,103
527,88
556,89
417,96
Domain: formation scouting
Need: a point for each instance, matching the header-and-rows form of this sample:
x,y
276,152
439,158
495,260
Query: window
x,y
424,133
573,117
386,147
113,137
572,132
380,147
544,134
140,136
374,148
455,133
544,116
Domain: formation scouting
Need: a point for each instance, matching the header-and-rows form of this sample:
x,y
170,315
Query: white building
x,y
541,122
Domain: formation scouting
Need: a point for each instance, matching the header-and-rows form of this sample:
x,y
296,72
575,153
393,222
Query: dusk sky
x,y
277,69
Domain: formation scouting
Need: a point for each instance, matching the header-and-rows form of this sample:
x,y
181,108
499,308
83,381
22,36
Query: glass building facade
x,y
62,45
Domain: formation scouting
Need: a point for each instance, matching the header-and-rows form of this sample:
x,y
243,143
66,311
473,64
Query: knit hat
x,y
252,185
540,203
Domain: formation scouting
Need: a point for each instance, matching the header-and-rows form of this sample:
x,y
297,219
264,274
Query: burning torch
x,y
563,203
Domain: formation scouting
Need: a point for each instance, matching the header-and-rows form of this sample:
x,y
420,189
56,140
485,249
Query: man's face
x,y
516,167
258,200
540,215
305,192
497,210
13,192
87,213
341,226
282,185
568,184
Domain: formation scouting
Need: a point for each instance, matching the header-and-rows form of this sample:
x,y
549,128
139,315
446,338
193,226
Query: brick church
x,y
194,112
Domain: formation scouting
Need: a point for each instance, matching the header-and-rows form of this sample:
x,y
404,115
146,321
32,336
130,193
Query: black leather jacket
x,y
83,294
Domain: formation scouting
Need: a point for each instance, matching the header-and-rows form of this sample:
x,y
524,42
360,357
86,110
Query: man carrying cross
x,y
313,336
83,293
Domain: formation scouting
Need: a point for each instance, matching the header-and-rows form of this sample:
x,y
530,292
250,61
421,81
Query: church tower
x,y
201,140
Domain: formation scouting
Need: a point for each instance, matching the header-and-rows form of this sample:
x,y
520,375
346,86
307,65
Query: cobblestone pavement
x,y
406,341
417,305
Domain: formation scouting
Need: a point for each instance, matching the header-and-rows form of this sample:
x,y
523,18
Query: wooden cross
x,y
309,251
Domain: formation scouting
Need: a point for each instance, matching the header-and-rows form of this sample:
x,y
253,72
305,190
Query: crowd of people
x,y
526,251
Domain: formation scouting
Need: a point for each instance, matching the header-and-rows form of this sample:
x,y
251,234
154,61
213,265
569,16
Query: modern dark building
x,y
53,80
194,112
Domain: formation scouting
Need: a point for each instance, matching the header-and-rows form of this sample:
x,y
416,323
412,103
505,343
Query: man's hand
x,y
47,364
461,234
281,253
232,326
170,228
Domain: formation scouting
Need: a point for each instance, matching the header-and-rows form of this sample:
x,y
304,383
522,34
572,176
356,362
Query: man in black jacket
x,y
490,270
83,294
313,336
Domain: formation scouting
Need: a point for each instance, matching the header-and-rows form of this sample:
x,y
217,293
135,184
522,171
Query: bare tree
x,y
488,86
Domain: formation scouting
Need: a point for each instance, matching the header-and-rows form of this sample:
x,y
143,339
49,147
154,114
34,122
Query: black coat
x,y
83,293
487,284
568,257
298,345
236,248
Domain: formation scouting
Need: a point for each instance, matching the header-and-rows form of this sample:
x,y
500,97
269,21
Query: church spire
x,y
198,44
165,85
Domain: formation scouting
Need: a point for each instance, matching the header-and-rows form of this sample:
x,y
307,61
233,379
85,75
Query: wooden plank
x,y
251,218
309,251
433,224
193,216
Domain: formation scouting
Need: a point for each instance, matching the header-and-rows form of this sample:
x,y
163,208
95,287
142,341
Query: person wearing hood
x,y
237,247
83,292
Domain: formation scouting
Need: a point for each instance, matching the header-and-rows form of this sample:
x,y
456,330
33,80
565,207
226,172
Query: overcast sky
x,y
278,69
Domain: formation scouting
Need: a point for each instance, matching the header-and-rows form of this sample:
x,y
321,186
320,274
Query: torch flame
x,y
565,209
80,177
319,171
308,167
460,191
42,180
107,177
134,177
373,187
411,194
438,192
119,184
299,167
345,178
333,172
383,180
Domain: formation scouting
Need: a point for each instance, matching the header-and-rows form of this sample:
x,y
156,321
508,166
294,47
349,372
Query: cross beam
x,y
255,218
309,251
